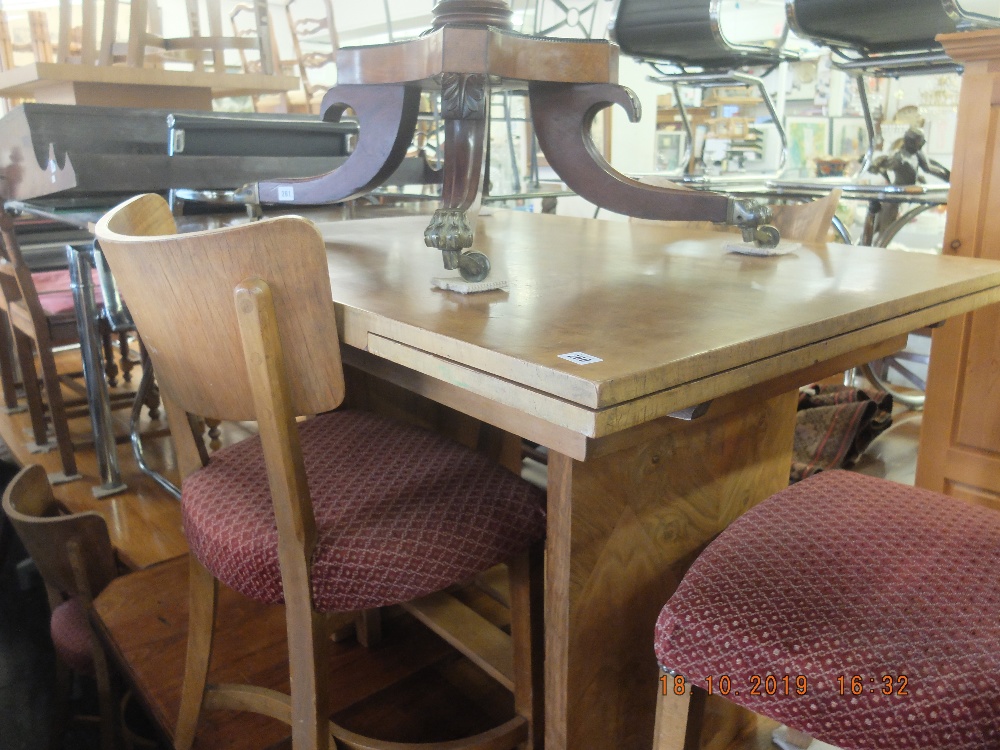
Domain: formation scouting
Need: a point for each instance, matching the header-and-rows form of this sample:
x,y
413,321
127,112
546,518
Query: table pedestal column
x,y
622,530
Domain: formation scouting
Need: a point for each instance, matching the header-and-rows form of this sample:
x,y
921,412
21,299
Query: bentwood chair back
x,y
204,371
240,325
74,556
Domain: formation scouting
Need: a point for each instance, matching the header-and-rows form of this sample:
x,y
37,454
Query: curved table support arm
x,y
563,115
387,114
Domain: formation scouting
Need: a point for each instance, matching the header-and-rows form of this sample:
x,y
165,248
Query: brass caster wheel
x,y
766,236
474,266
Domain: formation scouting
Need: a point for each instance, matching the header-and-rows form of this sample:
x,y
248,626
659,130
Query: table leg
x,y
98,399
622,530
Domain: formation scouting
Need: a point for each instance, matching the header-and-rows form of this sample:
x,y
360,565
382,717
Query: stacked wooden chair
x,y
311,61
342,512
41,317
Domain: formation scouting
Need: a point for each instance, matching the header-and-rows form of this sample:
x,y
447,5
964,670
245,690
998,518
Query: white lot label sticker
x,y
581,358
286,193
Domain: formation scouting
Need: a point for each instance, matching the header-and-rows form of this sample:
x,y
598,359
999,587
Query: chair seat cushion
x,y
71,636
54,293
845,576
400,513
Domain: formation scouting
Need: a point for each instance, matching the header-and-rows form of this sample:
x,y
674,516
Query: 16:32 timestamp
x,y
886,684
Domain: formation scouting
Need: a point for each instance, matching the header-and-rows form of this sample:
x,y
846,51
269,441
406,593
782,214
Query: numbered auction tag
x,y
580,358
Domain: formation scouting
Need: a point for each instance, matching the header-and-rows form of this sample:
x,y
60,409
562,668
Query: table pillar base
x,y
622,530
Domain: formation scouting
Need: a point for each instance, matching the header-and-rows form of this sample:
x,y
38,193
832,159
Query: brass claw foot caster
x,y
449,230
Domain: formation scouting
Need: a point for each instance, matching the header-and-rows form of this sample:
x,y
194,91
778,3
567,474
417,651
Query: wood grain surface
x,y
674,317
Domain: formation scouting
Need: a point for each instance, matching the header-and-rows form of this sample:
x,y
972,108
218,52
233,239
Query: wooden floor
x,y
412,687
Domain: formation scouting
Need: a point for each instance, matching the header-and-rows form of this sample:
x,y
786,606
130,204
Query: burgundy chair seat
x,y
845,575
71,636
54,293
400,513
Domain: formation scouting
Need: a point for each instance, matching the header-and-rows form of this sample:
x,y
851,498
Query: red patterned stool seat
x,y
860,586
400,513
55,294
71,636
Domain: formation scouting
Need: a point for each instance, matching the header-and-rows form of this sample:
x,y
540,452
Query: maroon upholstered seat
x,y
400,513
845,576
71,635
55,294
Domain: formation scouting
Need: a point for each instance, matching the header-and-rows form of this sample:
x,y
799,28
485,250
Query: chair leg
x,y
57,412
125,356
32,394
61,708
308,667
527,631
107,698
110,368
203,592
8,380
368,627
152,399
678,718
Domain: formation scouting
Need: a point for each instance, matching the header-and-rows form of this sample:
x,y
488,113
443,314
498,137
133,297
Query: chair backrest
x,y
145,34
686,33
16,282
73,553
254,22
879,26
180,291
807,222
312,60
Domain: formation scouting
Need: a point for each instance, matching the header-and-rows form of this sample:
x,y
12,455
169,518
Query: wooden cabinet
x,y
960,437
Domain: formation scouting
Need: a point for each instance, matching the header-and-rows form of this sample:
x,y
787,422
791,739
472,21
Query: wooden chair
x,y
316,59
145,37
247,24
855,610
41,315
73,554
344,508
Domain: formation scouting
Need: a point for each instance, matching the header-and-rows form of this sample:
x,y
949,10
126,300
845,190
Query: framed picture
x,y
850,137
808,139
669,150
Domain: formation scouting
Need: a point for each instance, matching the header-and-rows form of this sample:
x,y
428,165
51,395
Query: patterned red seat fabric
x,y
54,293
845,576
400,513
70,632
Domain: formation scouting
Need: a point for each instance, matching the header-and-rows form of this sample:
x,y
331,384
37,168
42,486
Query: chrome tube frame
x,y
98,397
712,80
145,385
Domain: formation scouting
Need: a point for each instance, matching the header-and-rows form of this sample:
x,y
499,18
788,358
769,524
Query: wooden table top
x,y
675,318
26,80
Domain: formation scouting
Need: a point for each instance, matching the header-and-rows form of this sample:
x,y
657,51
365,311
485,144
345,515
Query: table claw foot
x,y
450,232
